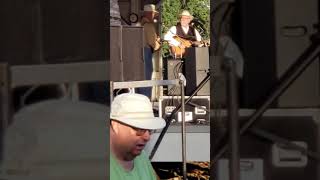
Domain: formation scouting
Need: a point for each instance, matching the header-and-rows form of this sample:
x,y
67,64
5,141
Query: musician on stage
x,y
183,30
152,42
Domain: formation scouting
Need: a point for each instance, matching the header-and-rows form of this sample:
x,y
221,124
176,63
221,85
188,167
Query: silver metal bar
x,y
120,44
23,75
74,91
111,91
184,134
142,49
233,122
146,83
121,52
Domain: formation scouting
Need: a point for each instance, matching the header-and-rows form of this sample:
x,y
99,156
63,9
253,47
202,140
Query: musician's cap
x,y
150,8
186,13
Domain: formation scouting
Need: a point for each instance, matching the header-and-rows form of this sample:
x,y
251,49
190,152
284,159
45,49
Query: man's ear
x,y
115,126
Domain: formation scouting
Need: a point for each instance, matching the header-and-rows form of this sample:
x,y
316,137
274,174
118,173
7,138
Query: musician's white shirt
x,y
173,31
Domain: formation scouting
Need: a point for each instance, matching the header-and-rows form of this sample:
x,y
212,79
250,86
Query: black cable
x,y
176,70
198,106
124,20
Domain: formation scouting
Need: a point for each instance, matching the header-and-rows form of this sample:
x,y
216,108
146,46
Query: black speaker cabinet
x,y
126,53
196,69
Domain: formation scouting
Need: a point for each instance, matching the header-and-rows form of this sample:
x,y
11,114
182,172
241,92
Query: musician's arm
x,y
151,36
198,36
169,36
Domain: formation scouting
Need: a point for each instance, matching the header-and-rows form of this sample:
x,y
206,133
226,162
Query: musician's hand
x,y
197,44
182,46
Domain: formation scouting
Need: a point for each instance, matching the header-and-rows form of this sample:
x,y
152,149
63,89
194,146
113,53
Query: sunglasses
x,y
139,132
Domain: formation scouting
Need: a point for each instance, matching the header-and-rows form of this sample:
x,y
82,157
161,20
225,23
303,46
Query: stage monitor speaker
x,y
196,69
173,68
126,59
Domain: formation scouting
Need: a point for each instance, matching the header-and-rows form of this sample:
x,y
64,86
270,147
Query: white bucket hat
x,y
135,110
186,13
150,8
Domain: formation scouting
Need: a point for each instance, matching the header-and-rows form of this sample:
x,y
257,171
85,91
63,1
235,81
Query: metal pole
x,y
111,91
5,100
233,122
183,130
5,97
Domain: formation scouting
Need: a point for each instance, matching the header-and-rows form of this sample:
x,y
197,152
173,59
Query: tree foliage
x,y
200,9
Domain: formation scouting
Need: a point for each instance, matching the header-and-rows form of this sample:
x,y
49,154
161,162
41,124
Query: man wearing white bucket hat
x,y
183,30
131,124
152,42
